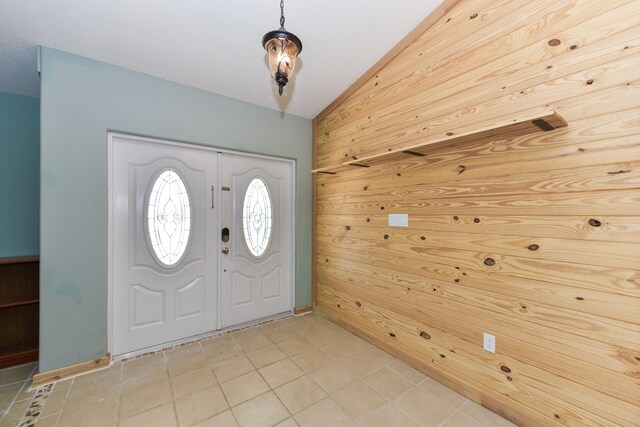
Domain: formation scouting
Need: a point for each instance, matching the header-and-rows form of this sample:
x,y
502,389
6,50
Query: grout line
x,y
173,396
119,392
451,416
64,403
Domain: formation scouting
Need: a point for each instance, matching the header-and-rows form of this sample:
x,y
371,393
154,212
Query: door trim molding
x,y
110,173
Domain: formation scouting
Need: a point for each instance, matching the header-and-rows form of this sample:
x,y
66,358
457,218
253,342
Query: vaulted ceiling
x,y
212,45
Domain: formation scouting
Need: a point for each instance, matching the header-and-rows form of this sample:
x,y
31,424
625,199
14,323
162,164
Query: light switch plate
x,y
398,220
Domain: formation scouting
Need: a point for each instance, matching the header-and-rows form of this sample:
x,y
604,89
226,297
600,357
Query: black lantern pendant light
x,y
283,47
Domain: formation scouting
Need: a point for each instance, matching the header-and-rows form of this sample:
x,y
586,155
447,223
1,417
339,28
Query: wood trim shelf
x,y
18,301
18,354
19,260
547,121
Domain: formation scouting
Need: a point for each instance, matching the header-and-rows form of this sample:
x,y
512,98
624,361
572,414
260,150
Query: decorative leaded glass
x,y
257,217
169,217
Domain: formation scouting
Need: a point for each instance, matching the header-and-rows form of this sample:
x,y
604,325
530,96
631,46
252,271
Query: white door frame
x,y
110,213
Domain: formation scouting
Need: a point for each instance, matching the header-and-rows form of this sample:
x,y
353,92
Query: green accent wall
x,y
82,100
19,175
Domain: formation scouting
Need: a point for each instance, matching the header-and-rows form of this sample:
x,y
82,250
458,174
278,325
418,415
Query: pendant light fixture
x,y
283,47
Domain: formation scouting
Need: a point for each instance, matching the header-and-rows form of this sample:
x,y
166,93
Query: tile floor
x,y
297,371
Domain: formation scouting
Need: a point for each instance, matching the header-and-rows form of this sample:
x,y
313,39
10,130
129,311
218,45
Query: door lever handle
x,y
225,251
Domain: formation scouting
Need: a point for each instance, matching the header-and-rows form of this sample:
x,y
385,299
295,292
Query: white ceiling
x,y
213,45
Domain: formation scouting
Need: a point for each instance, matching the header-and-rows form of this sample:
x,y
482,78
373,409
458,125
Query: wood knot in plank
x,y
368,219
554,42
348,227
476,220
619,172
386,236
425,335
474,16
358,304
589,82
392,335
461,169
455,217
573,47
594,222
533,247
580,298
423,238
505,369
490,262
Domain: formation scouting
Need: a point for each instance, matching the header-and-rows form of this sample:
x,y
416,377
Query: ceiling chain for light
x,y
281,13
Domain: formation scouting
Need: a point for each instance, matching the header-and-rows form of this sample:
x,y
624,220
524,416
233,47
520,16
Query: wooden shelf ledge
x,y
542,122
18,354
18,301
19,260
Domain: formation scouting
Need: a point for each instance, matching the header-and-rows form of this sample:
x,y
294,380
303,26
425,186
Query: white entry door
x,y
256,216
163,248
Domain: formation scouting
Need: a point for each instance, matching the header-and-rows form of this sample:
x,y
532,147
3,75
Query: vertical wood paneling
x,y
533,238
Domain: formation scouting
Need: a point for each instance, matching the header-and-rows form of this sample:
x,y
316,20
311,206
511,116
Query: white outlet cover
x,y
398,220
489,342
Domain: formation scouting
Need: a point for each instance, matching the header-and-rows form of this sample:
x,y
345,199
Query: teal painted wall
x,y
19,175
81,100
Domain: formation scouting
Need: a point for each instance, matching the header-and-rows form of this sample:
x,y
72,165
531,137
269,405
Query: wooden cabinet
x,y
19,310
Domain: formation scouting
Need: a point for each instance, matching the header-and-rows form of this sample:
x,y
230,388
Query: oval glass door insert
x,y
169,218
257,217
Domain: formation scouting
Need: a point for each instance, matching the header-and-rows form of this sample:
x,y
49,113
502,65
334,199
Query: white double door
x,y
199,241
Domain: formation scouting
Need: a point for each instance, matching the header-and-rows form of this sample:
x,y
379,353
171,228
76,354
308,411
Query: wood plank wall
x,y
534,239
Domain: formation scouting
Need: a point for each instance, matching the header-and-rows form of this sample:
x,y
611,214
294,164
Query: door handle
x,y
225,251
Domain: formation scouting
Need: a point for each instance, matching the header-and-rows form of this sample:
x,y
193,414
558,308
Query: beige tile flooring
x,y
296,371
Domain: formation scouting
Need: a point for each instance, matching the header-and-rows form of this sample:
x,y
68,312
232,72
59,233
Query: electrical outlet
x,y
398,220
489,342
